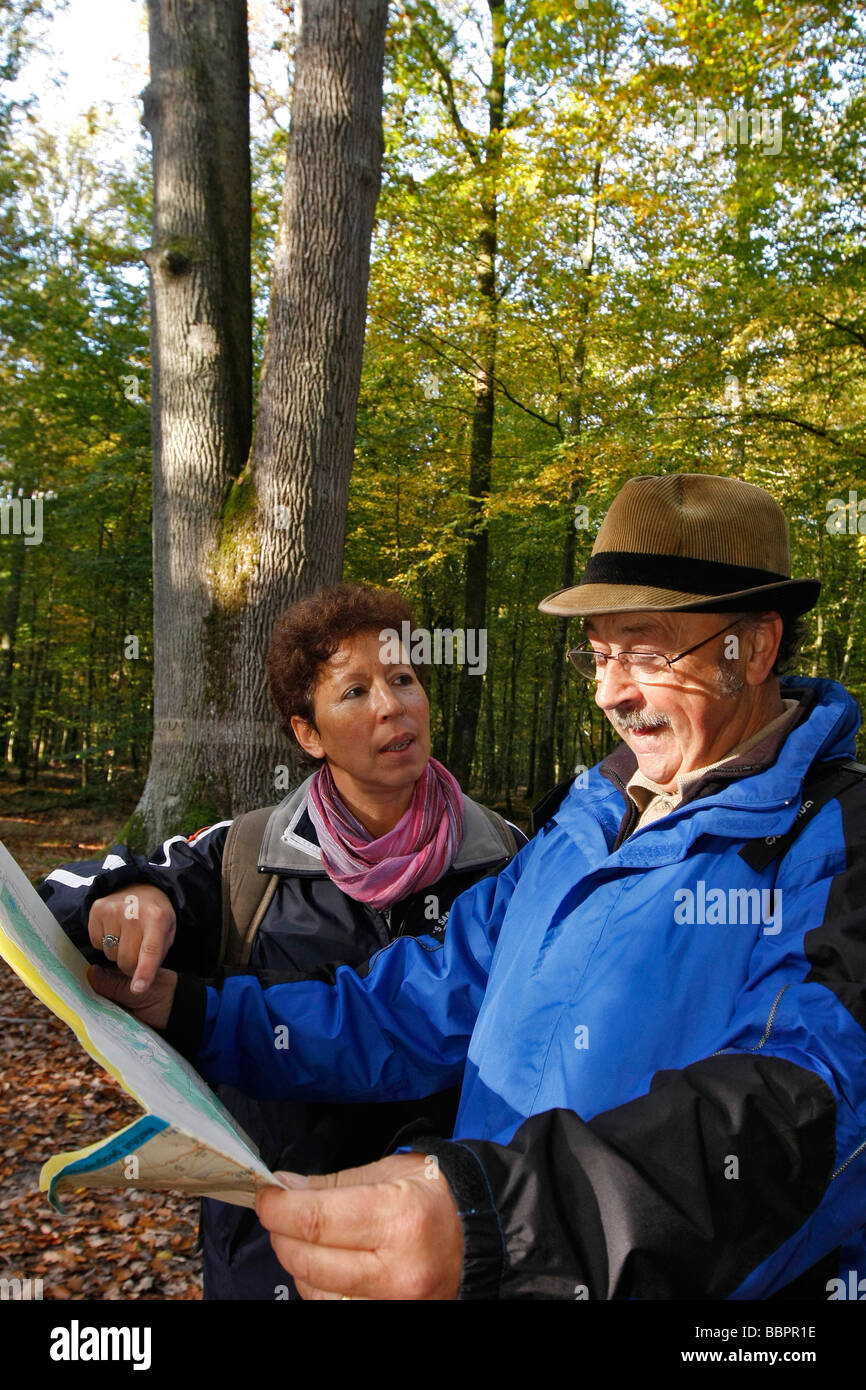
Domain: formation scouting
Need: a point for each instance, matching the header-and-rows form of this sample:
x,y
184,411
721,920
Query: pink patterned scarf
x,y
415,853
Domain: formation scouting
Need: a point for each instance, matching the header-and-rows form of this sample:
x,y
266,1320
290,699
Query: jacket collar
x,y
289,844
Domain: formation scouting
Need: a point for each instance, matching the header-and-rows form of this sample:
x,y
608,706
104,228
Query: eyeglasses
x,y
644,668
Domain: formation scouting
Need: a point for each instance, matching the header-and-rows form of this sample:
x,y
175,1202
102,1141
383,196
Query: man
x,y
657,1010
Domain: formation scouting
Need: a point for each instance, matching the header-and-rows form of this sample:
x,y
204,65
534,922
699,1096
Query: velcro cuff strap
x,y
483,1246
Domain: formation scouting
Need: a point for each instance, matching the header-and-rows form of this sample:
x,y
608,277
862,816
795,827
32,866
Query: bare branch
x,y
433,344
852,329
775,416
449,99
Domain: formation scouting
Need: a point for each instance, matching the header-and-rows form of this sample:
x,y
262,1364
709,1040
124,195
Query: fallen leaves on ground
x,y
110,1245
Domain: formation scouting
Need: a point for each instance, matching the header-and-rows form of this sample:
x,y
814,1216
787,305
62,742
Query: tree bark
x,y
509,713
481,444
196,109
533,740
290,507
10,638
238,536
545,774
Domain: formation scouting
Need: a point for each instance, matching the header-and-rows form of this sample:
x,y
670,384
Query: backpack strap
x,y
548,806
822,783
246,894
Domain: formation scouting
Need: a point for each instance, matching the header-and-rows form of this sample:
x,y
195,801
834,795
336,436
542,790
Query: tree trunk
x,y
22,717
489,770
545,771
533,740
305,430
10,637
481,444
509,714
238,538
196,109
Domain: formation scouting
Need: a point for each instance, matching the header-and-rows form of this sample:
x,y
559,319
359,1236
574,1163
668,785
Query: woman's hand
x,y
141,916
151,1007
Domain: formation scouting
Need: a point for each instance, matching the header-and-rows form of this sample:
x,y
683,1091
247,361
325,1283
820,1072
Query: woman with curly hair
x,y
376,843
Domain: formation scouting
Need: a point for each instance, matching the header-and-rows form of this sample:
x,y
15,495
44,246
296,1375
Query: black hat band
x,y
678,573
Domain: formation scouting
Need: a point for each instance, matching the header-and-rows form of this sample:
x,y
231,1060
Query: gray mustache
x,y
638,719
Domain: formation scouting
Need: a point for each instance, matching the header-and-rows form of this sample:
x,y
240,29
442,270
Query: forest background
x,y
673,283
633,231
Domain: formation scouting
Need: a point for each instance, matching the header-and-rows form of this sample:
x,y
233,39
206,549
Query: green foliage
x,y
134,834
665,305
675,293
76,659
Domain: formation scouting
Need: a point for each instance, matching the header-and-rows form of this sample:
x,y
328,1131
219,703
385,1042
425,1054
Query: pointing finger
x,y
151,953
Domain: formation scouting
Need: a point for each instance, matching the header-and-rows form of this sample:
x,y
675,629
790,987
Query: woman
x,y
375,844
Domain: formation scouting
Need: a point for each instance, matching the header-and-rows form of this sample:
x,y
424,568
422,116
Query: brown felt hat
x,y
689,542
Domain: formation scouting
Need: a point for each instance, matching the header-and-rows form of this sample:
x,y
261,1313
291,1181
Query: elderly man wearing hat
x,y
657,1010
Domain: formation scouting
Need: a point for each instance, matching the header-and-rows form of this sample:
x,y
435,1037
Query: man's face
x,y
698,711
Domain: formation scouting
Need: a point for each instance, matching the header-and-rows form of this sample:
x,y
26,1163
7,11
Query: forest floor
x,y
124,1245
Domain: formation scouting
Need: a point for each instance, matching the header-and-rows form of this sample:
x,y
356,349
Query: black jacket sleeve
x,y
678,1194
188,871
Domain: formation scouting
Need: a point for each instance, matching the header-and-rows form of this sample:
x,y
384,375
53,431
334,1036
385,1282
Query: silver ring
x,y
110,941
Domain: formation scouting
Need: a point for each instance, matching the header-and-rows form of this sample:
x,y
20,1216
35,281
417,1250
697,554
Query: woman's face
x,y
372,721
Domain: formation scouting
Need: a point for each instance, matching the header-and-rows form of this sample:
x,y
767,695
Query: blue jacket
x,y
662,1048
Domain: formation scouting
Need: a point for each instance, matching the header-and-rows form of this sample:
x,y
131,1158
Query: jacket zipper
x,y
767,1031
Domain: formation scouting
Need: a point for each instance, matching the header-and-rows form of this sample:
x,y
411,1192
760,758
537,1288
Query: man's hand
x,y
153,1007
143,919
389,1230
